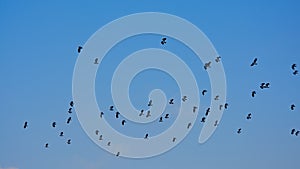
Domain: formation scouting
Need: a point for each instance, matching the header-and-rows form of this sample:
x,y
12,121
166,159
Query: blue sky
x,y
39,49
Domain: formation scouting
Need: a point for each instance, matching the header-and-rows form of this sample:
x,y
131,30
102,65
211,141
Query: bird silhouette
x,y
150,103
220,107
189,125
253,93
100,137
174,139
25,125
294,66
79,49
239,131
226,105
293,107
61,134
295,72
148,113
123,122
111,108
69,141
70,110
54,124
217,97
160,119
267,85
254,62
141,113
108,144
171,101
194,109
118,153
97,132
293,131
163,41
117,114
216,123
297,133
207,65
146,136
218,59
166,116
184,98
207,111
249,116
203,119
96,61
262,85
46,145
71,103
101,114
203,92
69,120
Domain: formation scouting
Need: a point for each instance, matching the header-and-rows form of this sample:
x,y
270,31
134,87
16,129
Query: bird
x,y
174,139
118,153
217,97
295,72
96,61
150,103
25,125
194,109
46,145
142,112
69,120
204,91
267,85
70,110
207,111
79,49
97,132
160,119
171,101
61,134
148,113
254,62
218,59
111,108
54,124
69,141
123,122
100,137
239,131
293,131
249,116
220,107
293,107
226,105
216,123
297,133
189,125
207,65
117,114
163,41
146,136
167,116
253,93
184,98
203,120
262,85
101,114
71,103
108,144
294,66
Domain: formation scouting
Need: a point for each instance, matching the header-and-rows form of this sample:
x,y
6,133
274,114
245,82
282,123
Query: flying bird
x,y
171,101
174,139
101,114
203,92
25,125
96,61
70,110
220,107
71,103
123,122
111,108
184,98
108,144
61,134
207,65
294,66
142,113
203,120
69,120
54,124
79,49
150,103
239,131
163,41
118,153
297,133
100,137
148,113
254,62
249,116
166,116
160,119
69,141
207,111
293,131
216,123
217,97
293,107
226,105
189,125
262,85
117,114
253,93
218,59
267,85
146,136
97,132
46,145
194,109
295,72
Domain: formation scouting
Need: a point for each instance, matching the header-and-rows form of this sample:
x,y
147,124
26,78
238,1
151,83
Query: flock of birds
x,y
264,85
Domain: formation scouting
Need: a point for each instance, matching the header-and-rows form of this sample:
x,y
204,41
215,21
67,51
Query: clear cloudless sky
x,y
38,51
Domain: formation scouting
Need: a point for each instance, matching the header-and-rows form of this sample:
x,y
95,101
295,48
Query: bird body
x,y
79,49
254,62
203,92
294,66
123,122
25,125
69,120
54,124
253,93
207,65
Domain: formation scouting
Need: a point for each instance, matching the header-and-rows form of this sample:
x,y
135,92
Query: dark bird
x,y
70,110
253,93
220,107
101,114
163,41
166,116
111,108
69,120
267,85
218,59
174,139
96,61
262,85
97,132
239,131
123,122
295,72
54,124
118,153
293,107
148,113
293,131
61,134
194,109
150,103
226,105
203,92
189,125
108,144
254,62
25,124
217,97
216,123
146,136
160,119
207,65
294,66
141,113
297,133
79,49
46,145
171,101
100,137
249,116
69,141
203,120
117,114
184,98
71,103
207,111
